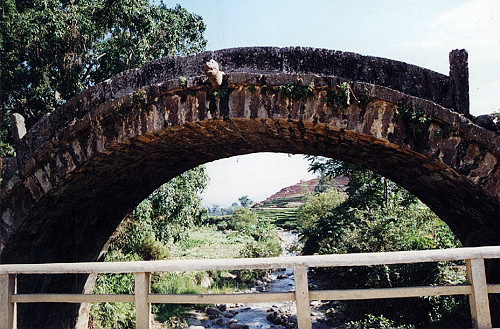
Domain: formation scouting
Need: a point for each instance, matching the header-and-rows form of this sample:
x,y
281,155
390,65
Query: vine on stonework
x,y
416,119
342,96
296,91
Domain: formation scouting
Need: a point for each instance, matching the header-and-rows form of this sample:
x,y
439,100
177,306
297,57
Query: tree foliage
x,y
319,206
164,217
53,49
379,216
245,201
148,232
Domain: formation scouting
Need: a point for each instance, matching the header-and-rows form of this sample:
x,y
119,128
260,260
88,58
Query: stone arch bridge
x,y
81,169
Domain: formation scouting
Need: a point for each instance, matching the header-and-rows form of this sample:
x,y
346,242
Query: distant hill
x,y
293,196
282,207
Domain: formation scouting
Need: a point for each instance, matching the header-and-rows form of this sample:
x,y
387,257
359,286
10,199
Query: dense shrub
x,y
379,216
318,206
375,322
114,315
241,218
147,234
379,230
265,241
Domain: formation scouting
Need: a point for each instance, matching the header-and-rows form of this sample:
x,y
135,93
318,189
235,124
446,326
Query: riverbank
x,y
264,315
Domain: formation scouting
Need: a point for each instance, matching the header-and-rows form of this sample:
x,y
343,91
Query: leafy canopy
x,y
379,216
53,49
164,217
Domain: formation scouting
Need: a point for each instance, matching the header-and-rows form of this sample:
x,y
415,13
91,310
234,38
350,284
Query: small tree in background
x,y
245,201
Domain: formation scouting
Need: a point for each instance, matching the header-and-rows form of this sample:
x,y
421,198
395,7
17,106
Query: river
x,y
263,315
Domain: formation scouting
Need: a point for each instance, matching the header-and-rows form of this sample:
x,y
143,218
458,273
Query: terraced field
x,y
285,218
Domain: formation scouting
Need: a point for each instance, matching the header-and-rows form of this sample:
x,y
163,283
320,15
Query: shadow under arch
x,y
85,167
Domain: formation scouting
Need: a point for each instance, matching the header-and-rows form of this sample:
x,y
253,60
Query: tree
x,y
165,216
365,188
53,49
147,233
245,201
318,206
379,216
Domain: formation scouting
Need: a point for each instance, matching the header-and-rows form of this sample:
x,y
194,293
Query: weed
x,y
182,82
295,91
251,88
222,92
183,85
372,321
140,100
496,119
340,97
446,132
416,119
140,97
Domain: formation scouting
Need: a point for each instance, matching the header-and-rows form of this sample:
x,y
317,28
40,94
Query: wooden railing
x,y
477,289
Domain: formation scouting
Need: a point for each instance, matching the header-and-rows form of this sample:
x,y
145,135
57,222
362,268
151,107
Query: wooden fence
x,y
477,289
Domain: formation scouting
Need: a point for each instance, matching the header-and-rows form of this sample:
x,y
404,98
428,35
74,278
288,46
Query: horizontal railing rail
x,y
477,289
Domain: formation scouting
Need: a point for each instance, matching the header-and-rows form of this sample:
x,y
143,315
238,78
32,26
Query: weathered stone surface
x,y
238,326
8,167
85,166
459,75
410,79
213,311
488,121
18,126
193,322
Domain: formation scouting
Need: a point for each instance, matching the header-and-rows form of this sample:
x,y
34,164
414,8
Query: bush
x,y
372,322
265,243
266,248
351,230
114,315
319,206
173,283
242,217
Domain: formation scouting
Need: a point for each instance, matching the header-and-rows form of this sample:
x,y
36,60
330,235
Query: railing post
x,y
7,309
302,297
479,303
142,304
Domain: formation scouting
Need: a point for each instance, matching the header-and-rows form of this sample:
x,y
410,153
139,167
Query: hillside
x,y
282,206
295,195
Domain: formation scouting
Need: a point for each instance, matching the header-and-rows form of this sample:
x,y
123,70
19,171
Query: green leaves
x,y
53,49
416,119
296,91
379,216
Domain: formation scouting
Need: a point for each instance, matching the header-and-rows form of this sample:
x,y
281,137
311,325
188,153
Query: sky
x,y
420,32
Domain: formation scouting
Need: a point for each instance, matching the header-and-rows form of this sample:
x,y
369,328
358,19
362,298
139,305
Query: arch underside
x,y
93,201
80,220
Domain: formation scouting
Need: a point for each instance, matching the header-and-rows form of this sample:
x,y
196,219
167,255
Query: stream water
x,y
262,315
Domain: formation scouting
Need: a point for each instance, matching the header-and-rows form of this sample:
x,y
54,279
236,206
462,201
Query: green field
x,y
285,218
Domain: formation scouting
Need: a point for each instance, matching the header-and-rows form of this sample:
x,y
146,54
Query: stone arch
x,y
82,168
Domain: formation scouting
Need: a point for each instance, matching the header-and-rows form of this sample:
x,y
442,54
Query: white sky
x,y
417,32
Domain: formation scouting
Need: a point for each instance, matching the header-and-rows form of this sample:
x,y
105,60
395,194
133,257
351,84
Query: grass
x,y
208,242
205,242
